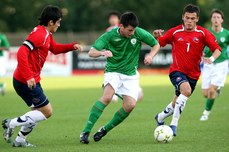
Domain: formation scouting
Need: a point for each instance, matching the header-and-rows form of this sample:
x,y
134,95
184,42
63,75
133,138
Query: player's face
x,y
190,20
127,31
114,20
54,26
216,19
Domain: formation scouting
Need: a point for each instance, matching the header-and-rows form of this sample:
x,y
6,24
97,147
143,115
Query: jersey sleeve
x,y
36,39
146,37
102,42
166,38
4,42
56,48
211,41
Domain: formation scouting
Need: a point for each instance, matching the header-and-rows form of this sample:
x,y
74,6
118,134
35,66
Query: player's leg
x,y
111,83
168,111
2,73
216,76
96,112
128,105
184,88
41,109
129,92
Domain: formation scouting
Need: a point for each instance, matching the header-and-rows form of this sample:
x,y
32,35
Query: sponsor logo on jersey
x,y
116,40
195,39
133,41
222,39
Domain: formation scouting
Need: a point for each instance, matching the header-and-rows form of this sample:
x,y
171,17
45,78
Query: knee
x,y
187,92
130,106
48,113
106,98
211,93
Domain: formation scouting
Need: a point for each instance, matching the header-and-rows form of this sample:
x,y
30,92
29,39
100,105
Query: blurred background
x,y
85,20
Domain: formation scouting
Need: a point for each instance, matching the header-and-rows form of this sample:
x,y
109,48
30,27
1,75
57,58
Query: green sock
x,y
209,104
94,115
119,116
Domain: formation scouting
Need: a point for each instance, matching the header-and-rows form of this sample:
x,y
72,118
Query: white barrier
x,y
55,65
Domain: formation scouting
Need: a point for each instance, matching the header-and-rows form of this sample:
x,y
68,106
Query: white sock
x,y
31,117
24,132
206,112
179,107
166,113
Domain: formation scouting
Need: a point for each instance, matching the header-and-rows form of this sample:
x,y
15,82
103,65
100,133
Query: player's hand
x,y
31,83
157,33
78,47
107,54
148,60
207,60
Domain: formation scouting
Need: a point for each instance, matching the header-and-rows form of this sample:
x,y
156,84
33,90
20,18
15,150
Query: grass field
x,y
72,98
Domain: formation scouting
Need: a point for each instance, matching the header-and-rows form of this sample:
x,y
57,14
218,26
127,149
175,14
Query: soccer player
x,y
121,46
31,57
214,75
114,21
4,46
188,41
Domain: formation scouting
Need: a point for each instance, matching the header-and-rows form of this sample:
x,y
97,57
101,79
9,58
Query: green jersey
x,y
125,50
223,40
3,43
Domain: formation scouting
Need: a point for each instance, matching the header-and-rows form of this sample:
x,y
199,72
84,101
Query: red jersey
x,y
31,56
187,48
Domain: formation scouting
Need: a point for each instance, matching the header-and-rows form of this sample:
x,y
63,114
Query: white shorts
x,y
2,65
214,74
123,84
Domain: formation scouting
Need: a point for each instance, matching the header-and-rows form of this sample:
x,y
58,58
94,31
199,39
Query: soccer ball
x,y
163,134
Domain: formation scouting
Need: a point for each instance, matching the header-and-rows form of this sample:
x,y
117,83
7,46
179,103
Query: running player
x,y
214,75
188,41
114,21
4,46
121,46
31,57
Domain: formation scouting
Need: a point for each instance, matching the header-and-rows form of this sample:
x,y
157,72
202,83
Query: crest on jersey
x,y
178,79
180,39
222,39
133,41
195,39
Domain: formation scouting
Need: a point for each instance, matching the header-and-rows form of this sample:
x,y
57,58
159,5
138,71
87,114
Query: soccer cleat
x,y
22,144
84,137
99,134
174,129
8,132
159,123
204,118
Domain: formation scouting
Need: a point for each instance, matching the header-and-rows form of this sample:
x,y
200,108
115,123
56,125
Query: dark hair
x,y
50,13
129,18
115,13
190,8
218,12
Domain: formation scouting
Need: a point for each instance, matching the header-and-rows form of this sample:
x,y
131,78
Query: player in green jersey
x,y
121,46
4,46
214,75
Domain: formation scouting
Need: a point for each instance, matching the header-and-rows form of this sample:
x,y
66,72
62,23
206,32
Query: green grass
x,y
72,98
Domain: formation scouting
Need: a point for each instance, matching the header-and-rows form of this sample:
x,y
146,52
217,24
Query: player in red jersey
x,y
31,57
188,41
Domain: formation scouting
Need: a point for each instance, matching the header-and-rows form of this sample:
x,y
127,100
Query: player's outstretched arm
x,y
95,53
149,57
